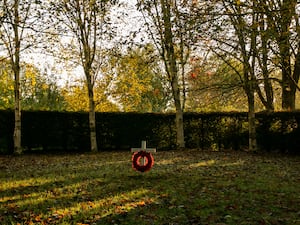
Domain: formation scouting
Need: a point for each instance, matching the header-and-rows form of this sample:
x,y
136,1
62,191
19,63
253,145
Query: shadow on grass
x,y
182,188
76,193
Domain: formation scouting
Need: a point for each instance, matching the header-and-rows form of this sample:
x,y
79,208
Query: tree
x,y
17,18
276,28
263,59
213,86
72,93
283,25
138,84
87,21
171,26
6,85
40,92
11,38
238,41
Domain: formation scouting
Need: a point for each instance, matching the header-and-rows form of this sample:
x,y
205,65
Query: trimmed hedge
x,y
68,131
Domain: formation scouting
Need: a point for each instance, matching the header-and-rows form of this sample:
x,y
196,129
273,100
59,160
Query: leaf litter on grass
x,y
183,187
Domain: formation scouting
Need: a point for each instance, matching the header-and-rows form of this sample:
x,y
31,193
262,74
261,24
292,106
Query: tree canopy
x,y
208,31
174,55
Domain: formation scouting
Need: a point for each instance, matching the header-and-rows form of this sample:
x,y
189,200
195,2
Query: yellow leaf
x,y
38,219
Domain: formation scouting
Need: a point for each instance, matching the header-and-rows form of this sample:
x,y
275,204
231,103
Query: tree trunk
x,y
290,84
288,94
251,80
176,96
15,61
179,116
171,68
268,102
17,128
92,116
180,129
251,121
250,90
288,90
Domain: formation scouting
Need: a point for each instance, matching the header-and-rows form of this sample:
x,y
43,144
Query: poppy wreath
x,y
149,161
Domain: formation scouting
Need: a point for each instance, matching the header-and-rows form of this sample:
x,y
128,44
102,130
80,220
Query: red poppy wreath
x,y
146,158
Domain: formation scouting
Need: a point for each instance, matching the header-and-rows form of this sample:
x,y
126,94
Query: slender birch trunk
x,y
92,118
15,61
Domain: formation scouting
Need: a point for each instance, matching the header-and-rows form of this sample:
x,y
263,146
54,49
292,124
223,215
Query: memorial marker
x,y
142,160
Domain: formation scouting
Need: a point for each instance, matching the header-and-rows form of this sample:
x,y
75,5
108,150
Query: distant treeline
x,y
45,131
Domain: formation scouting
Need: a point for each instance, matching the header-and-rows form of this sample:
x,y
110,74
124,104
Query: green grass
x,y
183,187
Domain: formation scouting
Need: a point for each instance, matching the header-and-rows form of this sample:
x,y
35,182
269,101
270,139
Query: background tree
x,y
138,84
40,92
77,99
284,29
6,85
11,38
16,33
171,26
237,42
87,22
263,58
213,86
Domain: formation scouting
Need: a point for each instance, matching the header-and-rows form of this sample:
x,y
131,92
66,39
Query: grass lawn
x,y
183,187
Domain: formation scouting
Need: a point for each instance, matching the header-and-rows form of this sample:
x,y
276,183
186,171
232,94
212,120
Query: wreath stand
x,y
142,159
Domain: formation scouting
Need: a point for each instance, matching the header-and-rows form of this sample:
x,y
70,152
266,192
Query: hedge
x,y
68,131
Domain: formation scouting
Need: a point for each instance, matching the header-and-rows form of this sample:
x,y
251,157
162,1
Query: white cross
x,y
143,148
